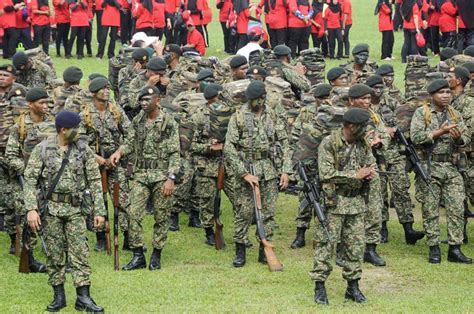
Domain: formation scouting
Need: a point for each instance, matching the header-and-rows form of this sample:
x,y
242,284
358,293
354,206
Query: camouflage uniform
x,y
298,81
446,181
66,227
135,86
61,94
39,75
125,77
354,76
395,93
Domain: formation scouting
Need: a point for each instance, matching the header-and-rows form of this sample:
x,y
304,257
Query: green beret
x,y
36,93
469,66
356,116
374,80
173,48
462,73
385,69
156,64
72,74
140,54
322,90
237,61
67,119
359,90
95,75
256,89
257,70
360,48
447,53
18,91
212,90
8,68
19,59
148,91
282,50
204,74
97,84
469,51
334,73
436,85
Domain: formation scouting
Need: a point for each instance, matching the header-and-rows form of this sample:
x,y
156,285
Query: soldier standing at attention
x,y
153,140
65,168
438,131
346,165
358,69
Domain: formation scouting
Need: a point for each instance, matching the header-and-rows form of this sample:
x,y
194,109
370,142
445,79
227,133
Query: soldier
x,y
32,72
470,67
438,131
70,170
72,78
359,69
346,167
337,77
251,136
293,74
105,126
239,66
387,72
153,141
171,55
394,163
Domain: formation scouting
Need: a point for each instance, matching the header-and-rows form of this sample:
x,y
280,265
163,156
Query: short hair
x,y
254,37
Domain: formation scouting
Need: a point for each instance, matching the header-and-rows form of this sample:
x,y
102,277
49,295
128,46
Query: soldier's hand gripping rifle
x,y
272,261
414,159
218,233
103,175
116,210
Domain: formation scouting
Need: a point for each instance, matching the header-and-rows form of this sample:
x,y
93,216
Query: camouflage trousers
x,y
184,194
349,231
63,234
373,214
140,192
244,208
303,219
399,186
205,188
447,184
469,179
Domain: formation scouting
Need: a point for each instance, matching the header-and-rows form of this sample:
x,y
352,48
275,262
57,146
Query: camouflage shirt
x,y
464,103
39,75
125,77
297,81
355,76
61,94
135,86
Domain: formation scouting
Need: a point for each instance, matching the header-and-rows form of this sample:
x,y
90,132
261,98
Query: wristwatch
x,y
172,176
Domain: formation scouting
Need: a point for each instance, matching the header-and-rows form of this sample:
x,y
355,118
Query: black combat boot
x,y
210,240
467,212
261,254
384,233
371,256
35,266
126,244
12,243
353,293
239,260
465,239
411,236
100,245
138,260
59,300
194,220
320,295
455,255
84,302
174,222
339,255
155,260
299,240
435,255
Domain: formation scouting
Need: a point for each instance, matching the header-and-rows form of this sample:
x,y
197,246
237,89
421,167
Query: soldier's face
x,y
388,79
149,103
452,80
39,107
340,81
361,102
378,90
103,94
361,58
442,98
241,72
6,79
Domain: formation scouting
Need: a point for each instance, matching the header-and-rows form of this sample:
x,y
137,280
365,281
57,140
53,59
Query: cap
x,y
322,90
436,85
462,72
147,91
140,54
8,68
360,48
257,70
334,73
469,66
19,59
36,93
469,51
359,90
204,74
237,61
67,119
156,64
282,50
173,48
95,75
374,80
356,116
447,53
385,69
97,84
72,74
256,89
212,90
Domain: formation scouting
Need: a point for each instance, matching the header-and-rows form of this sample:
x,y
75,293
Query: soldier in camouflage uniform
x,y
153,141
387,72
438,132
338,79
393,162
72,78
239,66
32,72
251,136
65,231
293,74
359,69
105,125
346,167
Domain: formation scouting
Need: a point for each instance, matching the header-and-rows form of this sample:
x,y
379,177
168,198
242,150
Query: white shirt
x,y
247,49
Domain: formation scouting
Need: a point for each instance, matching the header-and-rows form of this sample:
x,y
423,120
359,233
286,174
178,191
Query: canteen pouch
x,y
86,202
330,197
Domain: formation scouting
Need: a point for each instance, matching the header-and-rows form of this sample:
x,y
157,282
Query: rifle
x,y
103,175
414,159
116,240
21,180
272,261
312,197
218,233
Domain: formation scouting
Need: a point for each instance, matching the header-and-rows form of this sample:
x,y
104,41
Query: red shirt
x,y
434,18
98,5
447,18
61,12
125,4
206,13
411,23
243,21
8,19
318,18
196,16
346,8
159,20
111,16
276,18
144,18
333,20
225,9
293,20
20,22
385,20
461,22
195,37
39,19
80,16
171,5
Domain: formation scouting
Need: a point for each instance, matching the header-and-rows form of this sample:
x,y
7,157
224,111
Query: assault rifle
x,y
218,233
21,180
103,175
116,210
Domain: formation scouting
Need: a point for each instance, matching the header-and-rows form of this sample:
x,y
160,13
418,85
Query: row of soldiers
x,y
178,118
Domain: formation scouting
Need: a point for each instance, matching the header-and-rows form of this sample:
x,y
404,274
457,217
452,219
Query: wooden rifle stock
x,y
116,239
219,233
17,236
103,175
24,266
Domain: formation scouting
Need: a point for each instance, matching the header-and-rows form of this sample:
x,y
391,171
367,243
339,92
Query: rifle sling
x,y
55,181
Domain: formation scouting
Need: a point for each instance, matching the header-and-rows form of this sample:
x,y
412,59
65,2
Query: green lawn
x,y
197,278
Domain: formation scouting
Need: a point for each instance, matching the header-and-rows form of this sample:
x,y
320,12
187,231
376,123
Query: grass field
x,y
197,278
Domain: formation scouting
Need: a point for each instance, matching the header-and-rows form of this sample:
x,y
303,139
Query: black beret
x,y
356,116
212,90
36,93
436,85
256,89
148,90
447,53
359,90
385,69
204,74
18,91
237,61
19,59
469,66
462,73
97,84
72,74
95,75
257,70
374,80
282,50
67,119
360,48
322,90
173,48
8,68
334,73
156,64
140,54
469,51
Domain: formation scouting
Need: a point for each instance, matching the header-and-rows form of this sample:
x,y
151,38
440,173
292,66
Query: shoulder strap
x,y
60,172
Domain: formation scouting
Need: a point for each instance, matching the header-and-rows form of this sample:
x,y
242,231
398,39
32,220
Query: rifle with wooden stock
x,y
116,239
21,180
103,175
218,233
